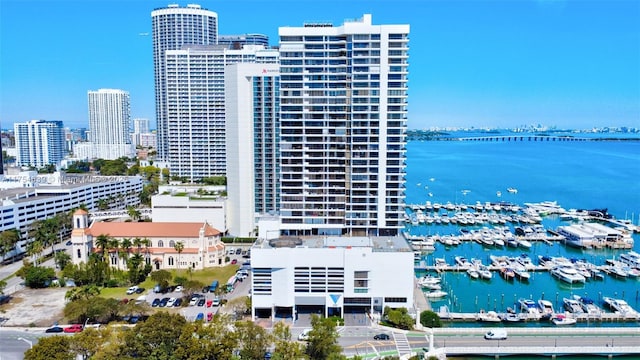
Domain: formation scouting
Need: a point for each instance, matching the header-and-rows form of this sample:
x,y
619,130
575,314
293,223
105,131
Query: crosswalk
x,y
402,344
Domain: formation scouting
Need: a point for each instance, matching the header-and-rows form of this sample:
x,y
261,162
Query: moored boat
x,y
572,306
490,316
563,320
435,294
507,273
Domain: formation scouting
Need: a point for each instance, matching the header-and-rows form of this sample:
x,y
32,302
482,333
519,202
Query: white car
x,y
304,335
194,300
179,288
132,290
171,302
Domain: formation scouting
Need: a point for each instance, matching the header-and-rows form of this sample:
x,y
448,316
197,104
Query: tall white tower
x,y
343,119
173,27
109,122
39,143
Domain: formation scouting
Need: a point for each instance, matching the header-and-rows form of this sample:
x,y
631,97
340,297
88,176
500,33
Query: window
x,y
160,243
172,244
79,254
170,260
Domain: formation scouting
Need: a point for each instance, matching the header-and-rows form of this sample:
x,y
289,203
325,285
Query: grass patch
x,y
205,276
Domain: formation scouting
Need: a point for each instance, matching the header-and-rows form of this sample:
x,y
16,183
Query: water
x,y
581,175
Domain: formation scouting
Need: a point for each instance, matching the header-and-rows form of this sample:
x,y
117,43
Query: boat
x,y
619,306
546,309
631,258
512,190
484,272
588,306
567,274
429,280
498,193
490,316
572,306
440,263
521,273
524,243
529,307
431,286
563,320
473,273
462,262
512,317
507,273
435,294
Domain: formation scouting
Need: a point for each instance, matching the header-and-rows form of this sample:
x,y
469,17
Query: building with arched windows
x,y
201,244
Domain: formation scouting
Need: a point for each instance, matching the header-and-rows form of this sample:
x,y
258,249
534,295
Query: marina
x,y
496,222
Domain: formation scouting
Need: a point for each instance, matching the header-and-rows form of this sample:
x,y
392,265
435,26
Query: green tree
x,y
192,286
61,259
3,285
133,213
51,348
95,308
37,277
156,338
137,269
399,318
323,339
8,241
430,319
253,340
82,292
88,342
103,204
213,340
285,347
161,277
179,247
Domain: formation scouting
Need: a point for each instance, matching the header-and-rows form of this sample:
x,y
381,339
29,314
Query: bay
x,y
580,175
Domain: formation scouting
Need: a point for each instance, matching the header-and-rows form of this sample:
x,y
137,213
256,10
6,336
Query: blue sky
x,y
572,64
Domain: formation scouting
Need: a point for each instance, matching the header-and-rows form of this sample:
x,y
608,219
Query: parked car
x,y
68,243
381,337
55,329
178,302
179,288
199,317
163,302
216,301
201,302
238,251
132,290
140,290
134,319
194,300
234,261
209,303
304,335
171,302
209,316
73,328
155,302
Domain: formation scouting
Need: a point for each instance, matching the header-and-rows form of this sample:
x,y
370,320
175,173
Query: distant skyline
x,y
570,64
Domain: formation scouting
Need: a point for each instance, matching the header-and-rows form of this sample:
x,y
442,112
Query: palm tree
x,y
114,245
179,247
126,246
133,213
138,243
103,204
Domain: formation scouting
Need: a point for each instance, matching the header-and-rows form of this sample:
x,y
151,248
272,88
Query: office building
x,y
173,27
332,276
39,143
253,154
195,106
109,123
140,128
343,120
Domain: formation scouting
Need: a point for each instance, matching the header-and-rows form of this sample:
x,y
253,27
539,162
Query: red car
x,y
73,328
209,316
234,261
209,303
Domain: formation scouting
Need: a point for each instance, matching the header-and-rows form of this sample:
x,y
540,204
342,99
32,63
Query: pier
x,y
523,138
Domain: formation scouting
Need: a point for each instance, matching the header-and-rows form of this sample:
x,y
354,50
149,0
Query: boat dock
x,y
444,314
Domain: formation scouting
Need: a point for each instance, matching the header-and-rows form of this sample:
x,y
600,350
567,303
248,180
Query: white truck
x,y
496,334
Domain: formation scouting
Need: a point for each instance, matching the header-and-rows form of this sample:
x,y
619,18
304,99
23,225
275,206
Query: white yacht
x,y
567,274
588,306
546,308
631,258
529,306
563,320
473,273
619,306
435,294
572,306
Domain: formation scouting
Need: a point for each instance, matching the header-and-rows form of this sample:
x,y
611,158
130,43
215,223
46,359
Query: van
x,y
496,334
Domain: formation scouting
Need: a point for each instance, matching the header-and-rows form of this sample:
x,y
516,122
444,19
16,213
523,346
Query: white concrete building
x,y
252,142
330,275
39,143
109,123
190,207
201,244
195,106
343,121
173,27
28,197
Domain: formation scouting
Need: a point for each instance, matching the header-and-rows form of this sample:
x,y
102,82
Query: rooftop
x,y
377,243
151,229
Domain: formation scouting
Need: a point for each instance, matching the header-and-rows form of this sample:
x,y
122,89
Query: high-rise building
x,y
109,123
253,153
195,106
39,143
343,121
140,126
238,41
173,27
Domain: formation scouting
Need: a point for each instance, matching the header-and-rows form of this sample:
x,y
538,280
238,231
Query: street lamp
x,y
27,341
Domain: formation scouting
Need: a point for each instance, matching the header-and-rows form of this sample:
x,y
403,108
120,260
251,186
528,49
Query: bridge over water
x,y
503,138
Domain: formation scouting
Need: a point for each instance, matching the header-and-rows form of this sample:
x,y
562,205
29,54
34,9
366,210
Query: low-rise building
x,y
330,275
156,241
191,204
